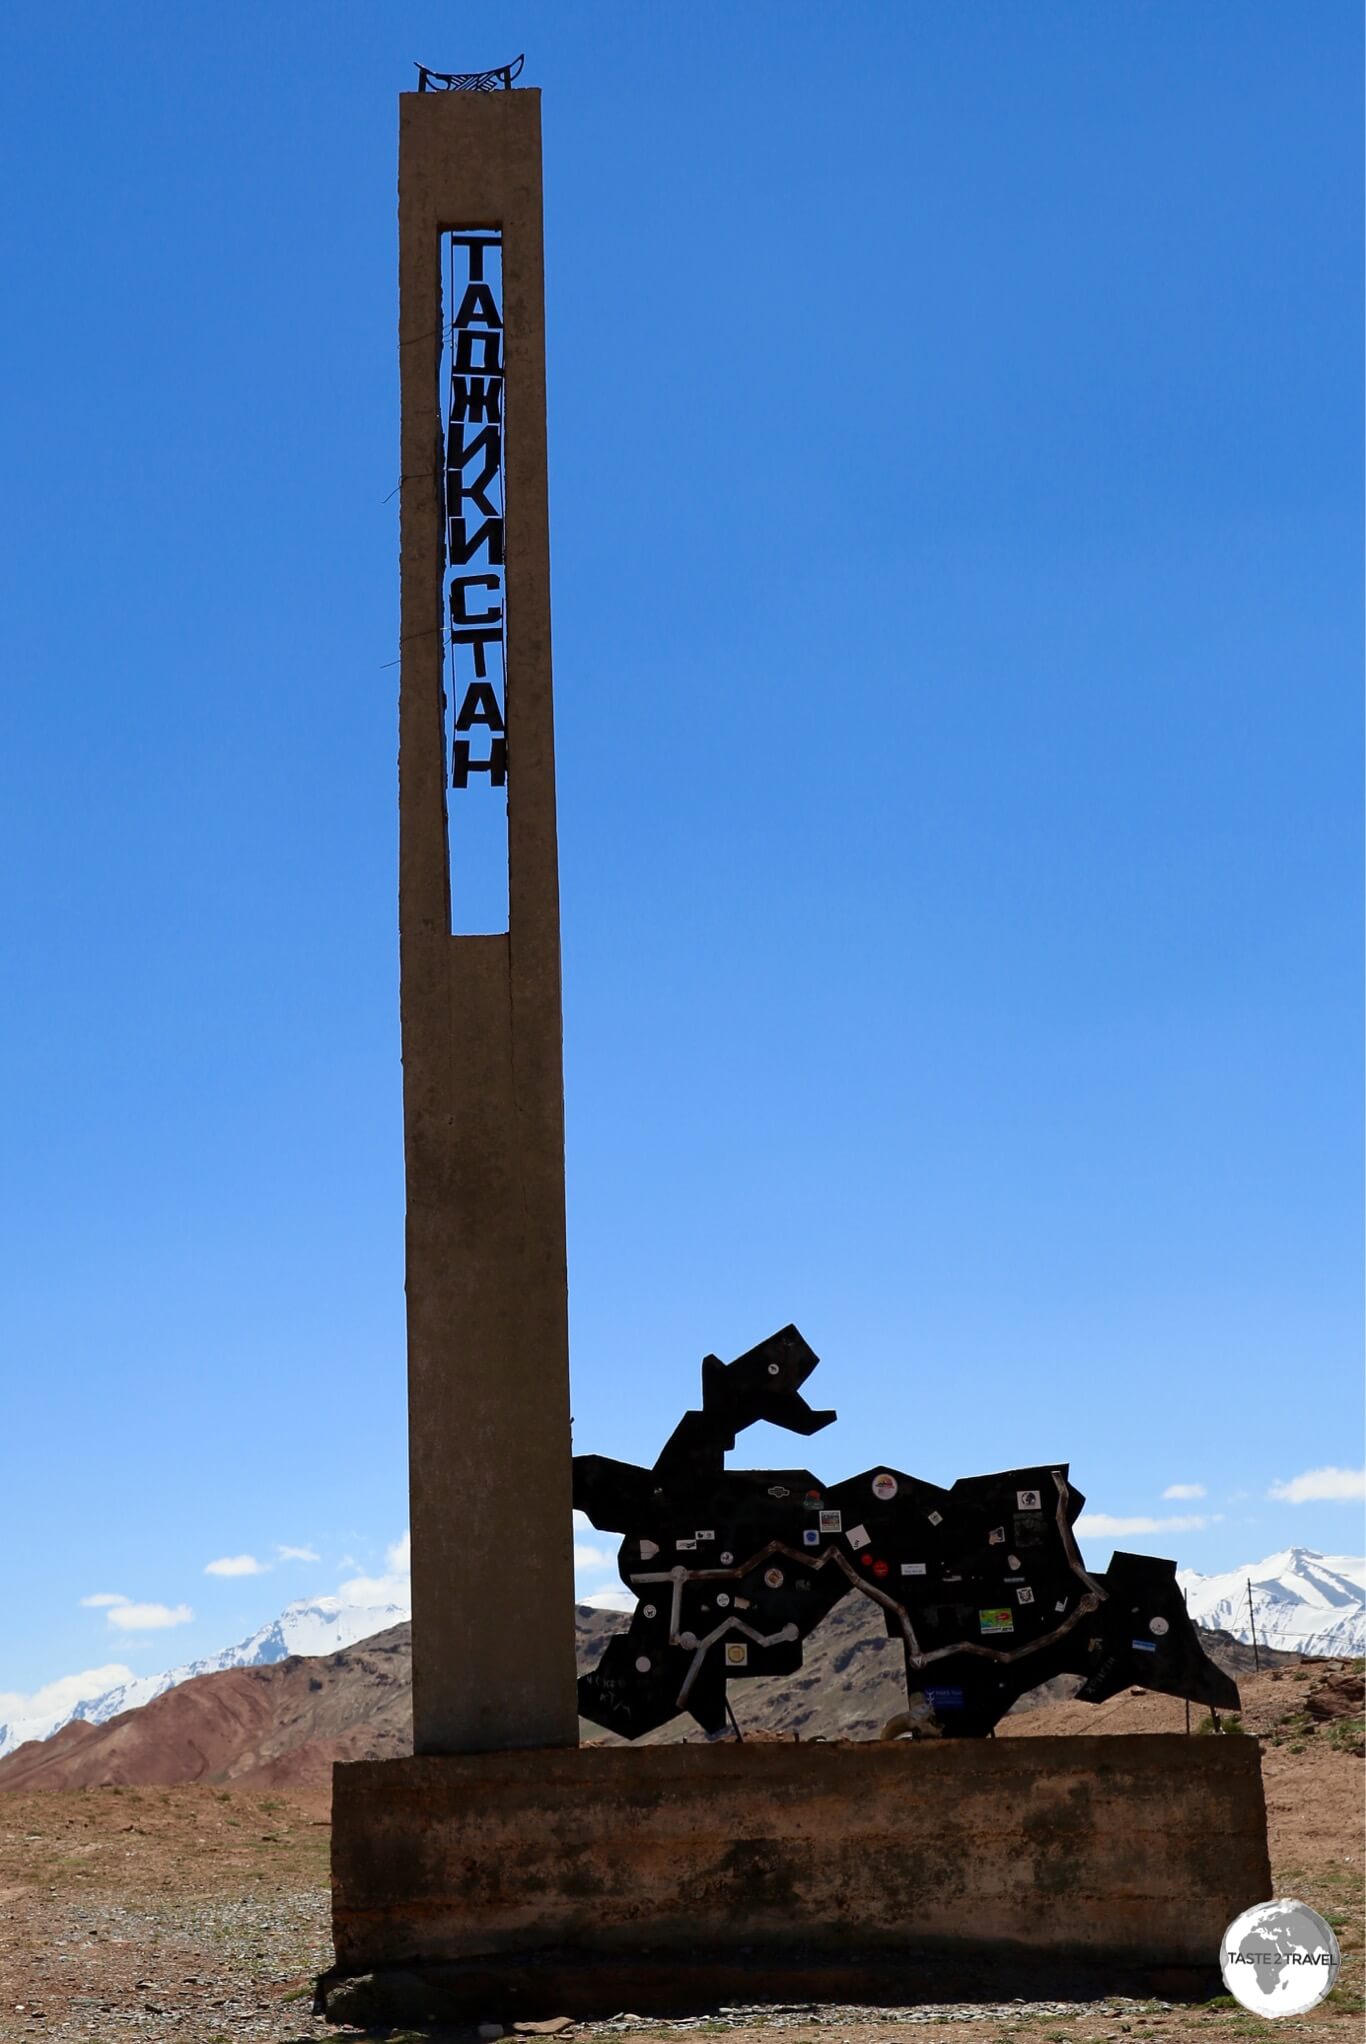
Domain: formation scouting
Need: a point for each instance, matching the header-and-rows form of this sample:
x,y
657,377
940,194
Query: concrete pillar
x,y
483,1087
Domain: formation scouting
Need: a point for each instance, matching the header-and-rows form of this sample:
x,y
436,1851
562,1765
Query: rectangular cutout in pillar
x,y
472,366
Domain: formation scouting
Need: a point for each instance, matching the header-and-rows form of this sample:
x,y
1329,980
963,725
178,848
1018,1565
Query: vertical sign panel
x,y
476,595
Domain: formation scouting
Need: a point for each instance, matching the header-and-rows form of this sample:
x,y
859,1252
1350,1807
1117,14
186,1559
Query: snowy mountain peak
x,y
1301,1601
312,1625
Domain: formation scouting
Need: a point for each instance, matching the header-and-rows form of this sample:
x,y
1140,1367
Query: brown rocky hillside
x,y
284,1725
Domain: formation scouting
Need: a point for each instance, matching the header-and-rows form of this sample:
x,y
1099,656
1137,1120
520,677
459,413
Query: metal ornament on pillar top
x,y
983,1583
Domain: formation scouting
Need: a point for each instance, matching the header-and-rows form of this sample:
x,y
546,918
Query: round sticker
x,y
723,1600
867,1560
879,1568
1279,1958
649,1610
642,1664
773,1369
726,1560
884,1486
774,1578
1158,1626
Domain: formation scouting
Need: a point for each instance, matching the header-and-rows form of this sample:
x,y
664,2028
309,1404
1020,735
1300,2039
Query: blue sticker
x,y
945,1699
810,1537
1144,1646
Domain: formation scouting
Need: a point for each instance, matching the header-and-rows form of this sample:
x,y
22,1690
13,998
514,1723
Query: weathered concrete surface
x,y
554,1882
483,1087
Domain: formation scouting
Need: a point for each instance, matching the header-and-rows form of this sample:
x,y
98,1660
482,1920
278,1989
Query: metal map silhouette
x,y
983,1583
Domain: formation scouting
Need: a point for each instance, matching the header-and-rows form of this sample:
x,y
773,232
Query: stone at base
x,y
586,1881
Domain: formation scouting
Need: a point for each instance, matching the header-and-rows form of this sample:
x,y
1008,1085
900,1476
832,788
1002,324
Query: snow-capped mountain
x,y
314,1625
1303,1602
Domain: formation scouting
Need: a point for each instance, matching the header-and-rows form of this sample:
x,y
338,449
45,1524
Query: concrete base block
x,y
584,1881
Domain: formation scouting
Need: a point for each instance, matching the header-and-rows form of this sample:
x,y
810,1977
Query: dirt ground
x,y
201,1915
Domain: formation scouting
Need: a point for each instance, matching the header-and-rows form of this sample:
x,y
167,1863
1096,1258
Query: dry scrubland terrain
x,y
199,1912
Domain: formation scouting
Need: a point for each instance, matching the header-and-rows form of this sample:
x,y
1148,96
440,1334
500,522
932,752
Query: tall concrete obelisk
x,y
483,1088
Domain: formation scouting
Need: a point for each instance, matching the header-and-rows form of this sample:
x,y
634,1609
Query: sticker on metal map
x,y
912,1568
831,1522
996,1621
884,1486
810,1537
858,1536
1144,1646
708,1535
685,1546
1031,1529
1025,1596
778,1490
935,1518
996,1537
1157,1625
737,1654
944,1699
774,1578
1028,1501
648,1550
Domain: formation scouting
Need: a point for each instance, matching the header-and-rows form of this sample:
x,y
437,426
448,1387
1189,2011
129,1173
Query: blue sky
x,y
955,461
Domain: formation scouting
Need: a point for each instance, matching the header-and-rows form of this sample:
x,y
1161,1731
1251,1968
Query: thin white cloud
x,y
102,1599
148,1617
391,1588
55,1699
1099,1523
297,1553
1322,1486
236,1565
1184,1490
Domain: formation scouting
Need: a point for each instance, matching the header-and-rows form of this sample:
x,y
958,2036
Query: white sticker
x,y
737,1654
857,1536
648,1610
723,1600
810,1537
996,1537
642,1664
685,1546
1024,1596
742,1603
708,1535
953,1579
727,1559
1061,1604
912,1568
648,1550
1013,1563
773,1369
779,1490
687,1639
830,1522
774,1578
884,1486
1157,1625
1028,1501
935,1518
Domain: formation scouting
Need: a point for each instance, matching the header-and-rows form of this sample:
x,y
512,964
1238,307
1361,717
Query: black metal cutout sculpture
x,y
983,1583
469,81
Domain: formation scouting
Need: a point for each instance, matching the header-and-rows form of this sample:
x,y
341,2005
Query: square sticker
x,y
996,1621
858,1536
1028,1501
810,1537
737,1654
935,1518
1024,1596
831,1522
997,1536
